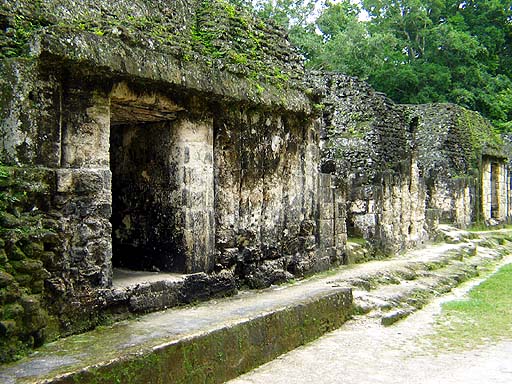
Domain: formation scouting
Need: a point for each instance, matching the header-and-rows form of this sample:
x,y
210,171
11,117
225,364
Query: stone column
x,y
502,192
486,190
193,161
326,225
84,186
509,193
340,223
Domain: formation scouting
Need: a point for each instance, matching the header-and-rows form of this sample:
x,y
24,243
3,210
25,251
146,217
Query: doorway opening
x,y
145,218
495,177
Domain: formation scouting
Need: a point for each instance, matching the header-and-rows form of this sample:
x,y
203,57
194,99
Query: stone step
x,y
218,340
395,293
208,343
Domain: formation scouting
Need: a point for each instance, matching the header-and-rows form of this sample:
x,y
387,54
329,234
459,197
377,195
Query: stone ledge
x,y
218,340
208,343
115,58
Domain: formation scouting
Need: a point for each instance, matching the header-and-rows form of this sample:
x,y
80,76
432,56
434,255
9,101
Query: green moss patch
x,y
25,242
209,356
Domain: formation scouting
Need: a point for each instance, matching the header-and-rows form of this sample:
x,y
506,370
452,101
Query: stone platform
x,y
215,341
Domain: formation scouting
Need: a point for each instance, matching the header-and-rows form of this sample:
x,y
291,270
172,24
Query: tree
x,y
415,51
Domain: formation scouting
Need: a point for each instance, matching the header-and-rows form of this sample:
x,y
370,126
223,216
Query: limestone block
x,y
326,210
365,223
359,206
30,116
325,180
326,229
340,227
86,137
84,181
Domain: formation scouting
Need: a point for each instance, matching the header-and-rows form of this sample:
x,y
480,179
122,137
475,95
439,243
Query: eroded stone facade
x,y
464,165
185,138
369,144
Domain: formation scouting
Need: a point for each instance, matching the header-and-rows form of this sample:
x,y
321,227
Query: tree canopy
x,y
416,51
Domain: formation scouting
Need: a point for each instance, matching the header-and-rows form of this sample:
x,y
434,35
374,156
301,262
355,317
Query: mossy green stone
x,y
5,279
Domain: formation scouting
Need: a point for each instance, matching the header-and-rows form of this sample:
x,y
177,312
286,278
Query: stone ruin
x,y
185,143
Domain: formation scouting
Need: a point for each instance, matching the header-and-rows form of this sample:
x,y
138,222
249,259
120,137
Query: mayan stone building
x,y
464,165
184,141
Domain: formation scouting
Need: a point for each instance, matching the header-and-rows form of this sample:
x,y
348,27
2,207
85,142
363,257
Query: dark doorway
x,y
495,174
145,219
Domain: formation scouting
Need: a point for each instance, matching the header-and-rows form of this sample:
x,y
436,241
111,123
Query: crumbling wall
x,y
174,136
268,196
50,140
29,245
182,136
369,144
207,46
451,201
456,148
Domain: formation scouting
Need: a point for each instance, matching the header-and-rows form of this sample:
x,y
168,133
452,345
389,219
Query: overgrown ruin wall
x,y
369,144
194,154
184,137
464,165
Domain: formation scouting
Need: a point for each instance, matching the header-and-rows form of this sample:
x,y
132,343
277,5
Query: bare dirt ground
x,y
364,351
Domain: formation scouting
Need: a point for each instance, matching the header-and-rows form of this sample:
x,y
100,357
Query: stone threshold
x,y
141,292
217,340
127,278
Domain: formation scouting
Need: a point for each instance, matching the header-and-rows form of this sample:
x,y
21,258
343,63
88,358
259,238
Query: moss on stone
x,y
214,32
23,314
481,137
210,357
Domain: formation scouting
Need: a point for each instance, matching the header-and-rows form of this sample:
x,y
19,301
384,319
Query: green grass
x,y
481,227
357,240
485,315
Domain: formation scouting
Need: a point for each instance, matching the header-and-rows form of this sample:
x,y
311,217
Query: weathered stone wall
x,y
30,119
117,108
369,144
453,145
29,244
184,137
268,196
207,46
451,201
175,137
401,221
50,135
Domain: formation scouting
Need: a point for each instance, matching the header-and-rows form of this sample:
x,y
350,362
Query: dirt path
x,y
363,351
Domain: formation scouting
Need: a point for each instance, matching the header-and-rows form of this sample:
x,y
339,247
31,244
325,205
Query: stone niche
x,y
190,185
